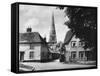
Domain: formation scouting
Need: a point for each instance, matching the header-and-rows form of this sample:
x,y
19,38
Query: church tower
x,y
52,38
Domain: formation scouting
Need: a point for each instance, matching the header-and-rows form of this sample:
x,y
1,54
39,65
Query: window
x,y
31,55
73,43
31,46
80,55
81,43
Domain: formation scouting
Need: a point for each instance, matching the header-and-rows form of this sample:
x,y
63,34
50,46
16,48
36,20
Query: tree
x,y
83,21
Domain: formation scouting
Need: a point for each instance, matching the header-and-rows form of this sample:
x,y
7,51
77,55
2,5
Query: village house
x,y
74,50
32,47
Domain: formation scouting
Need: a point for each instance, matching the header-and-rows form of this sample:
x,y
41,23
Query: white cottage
x,y
32,47
74,50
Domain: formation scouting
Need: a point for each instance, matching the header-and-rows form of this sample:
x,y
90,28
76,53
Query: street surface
x,y
54,65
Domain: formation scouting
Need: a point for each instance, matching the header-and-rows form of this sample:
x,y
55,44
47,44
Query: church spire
x,y
52,38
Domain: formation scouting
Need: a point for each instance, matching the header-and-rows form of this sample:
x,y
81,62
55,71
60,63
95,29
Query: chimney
x,y
29,29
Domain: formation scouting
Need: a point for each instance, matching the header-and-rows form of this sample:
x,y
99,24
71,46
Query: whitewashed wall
x,y
23,47
36,48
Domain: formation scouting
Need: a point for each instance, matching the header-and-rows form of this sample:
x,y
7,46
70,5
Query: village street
x,y
54,65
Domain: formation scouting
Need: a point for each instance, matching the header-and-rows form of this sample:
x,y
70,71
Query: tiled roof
x,y
68,36
33,37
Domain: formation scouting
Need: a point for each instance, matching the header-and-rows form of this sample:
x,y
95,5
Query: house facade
x,y
32,47
74,50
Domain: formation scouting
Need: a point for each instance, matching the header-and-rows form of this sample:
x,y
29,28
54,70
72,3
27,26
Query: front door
x,y
21,56
73,56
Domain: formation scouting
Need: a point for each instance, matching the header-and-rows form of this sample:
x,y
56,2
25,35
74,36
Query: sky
x,y
39,19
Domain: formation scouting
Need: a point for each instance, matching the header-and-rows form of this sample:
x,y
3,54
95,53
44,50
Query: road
x,y
55,65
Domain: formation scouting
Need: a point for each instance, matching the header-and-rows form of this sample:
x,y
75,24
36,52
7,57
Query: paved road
x,y
54,65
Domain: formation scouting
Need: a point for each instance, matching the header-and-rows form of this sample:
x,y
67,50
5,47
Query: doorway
x,y
21,56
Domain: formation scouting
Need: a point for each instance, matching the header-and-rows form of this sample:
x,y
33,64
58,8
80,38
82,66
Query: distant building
x,y
52,38
32,47
74,50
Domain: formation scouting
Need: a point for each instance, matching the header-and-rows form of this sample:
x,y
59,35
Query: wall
x,y
23,47
36,48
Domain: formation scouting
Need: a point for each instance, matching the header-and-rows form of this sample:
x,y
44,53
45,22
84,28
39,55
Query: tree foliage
x,y
83,21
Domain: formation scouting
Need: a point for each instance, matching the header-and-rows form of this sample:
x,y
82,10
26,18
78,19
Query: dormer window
x,y
73,43
81,43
